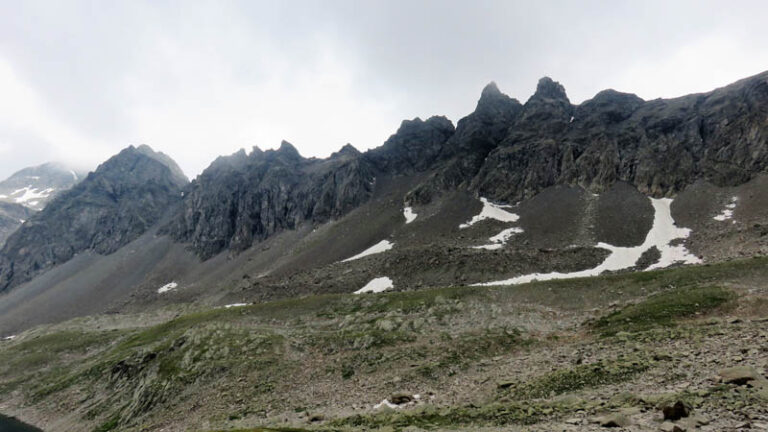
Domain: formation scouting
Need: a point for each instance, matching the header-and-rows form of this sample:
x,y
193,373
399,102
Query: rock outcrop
x,y
114,205
244,198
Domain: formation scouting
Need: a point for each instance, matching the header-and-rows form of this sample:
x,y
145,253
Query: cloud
x,y
197,79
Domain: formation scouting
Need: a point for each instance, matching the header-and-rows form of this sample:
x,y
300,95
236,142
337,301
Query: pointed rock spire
x,y
549,89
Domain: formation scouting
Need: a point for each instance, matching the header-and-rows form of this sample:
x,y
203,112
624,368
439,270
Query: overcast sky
x,y
80,80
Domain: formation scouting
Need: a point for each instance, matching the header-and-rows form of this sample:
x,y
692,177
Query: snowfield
x,y
379,247
376,285
167,287
662,233
30,195
233,305
491,211
409,215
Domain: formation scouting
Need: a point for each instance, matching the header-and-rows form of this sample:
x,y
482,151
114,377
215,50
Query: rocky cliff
x,y
247,197
659,146
115,204
504,150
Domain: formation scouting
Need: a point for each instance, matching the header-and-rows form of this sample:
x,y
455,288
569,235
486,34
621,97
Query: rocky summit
x,y
536,266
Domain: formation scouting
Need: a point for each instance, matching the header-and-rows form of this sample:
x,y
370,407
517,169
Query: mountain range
x,y
537,266
513,192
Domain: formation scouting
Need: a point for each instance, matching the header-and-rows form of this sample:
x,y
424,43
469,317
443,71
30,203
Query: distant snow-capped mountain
x,y
29,190
33,187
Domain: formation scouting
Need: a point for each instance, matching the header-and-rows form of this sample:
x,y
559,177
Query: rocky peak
x,y
607,107
348,151
415,145
549,108
113,206
547,88
287,150
490,90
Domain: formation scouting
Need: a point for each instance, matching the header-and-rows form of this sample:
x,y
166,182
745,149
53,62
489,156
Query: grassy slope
x,y
322,361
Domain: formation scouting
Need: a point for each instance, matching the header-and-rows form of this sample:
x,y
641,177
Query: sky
x,y
80,80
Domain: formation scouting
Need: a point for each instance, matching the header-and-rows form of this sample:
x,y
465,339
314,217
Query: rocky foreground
x,y
676,350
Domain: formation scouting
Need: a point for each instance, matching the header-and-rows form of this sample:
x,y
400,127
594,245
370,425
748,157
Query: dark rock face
x,y
503,150
244,198
414,147
659,146
11,218
476,135
114,205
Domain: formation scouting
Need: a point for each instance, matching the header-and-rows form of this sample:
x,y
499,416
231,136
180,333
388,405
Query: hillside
x,y
579,354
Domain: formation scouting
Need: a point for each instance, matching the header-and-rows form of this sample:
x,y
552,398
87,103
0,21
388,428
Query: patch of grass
x,y
663,309
577,378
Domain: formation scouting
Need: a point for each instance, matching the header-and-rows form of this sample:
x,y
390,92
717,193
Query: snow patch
x,y
727,212
376,285
234,305
167,287
3,196
662,233
30,195
500,239
491,211
74,175
379,247
9,338
385,403
410,216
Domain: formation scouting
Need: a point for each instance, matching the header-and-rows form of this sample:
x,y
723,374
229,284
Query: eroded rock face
x,y
503,150
658,146
244,198
114,205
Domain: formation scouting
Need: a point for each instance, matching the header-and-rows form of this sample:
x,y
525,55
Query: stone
x,y
668,426
739,375
613,420
676,410
401,398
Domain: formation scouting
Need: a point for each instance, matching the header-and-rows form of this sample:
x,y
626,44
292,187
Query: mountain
x,y
34,187
28,191
113,205
512,193
540,265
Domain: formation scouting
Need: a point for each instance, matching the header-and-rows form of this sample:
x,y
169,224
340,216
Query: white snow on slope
x,y
167,287
379,247
9,338
385,403
3,196
74,175
499,240
409,215
662,233
727,212
30,195
376,285
491,211
233,305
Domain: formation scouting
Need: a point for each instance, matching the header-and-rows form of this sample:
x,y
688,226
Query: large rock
x,y
740,375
